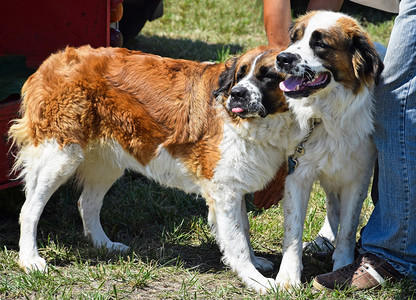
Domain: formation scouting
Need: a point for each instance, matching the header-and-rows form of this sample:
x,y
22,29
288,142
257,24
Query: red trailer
x,y
32,30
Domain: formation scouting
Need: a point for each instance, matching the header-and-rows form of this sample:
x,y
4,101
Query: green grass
x,y
172,255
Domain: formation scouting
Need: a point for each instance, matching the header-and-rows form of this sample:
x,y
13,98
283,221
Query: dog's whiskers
x,y
309,74
262,109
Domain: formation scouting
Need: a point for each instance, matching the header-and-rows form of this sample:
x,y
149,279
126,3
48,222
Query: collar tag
x,y
292,163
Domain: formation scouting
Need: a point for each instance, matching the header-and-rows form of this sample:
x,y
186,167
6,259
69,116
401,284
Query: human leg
x,y
390,233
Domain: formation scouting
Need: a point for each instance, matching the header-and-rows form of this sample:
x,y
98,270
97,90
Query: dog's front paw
x,y
117,247
263,286
262,264
287,281
30,264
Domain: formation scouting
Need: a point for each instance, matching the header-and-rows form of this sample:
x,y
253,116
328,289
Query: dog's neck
x,y
341,113
269,130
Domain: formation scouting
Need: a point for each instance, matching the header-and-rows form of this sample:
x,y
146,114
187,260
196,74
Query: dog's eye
x,y
269,73
318,41
241,72
293,39
320,44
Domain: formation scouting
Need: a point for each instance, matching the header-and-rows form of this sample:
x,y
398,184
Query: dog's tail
x,y
19,133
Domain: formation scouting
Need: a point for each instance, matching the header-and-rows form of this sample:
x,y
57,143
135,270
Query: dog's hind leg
x,y
352,197
324,243
260,263
97,175
44,169
229,229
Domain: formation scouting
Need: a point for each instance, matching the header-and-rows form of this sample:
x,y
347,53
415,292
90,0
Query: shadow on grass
x,y
183,48
160,225
11,200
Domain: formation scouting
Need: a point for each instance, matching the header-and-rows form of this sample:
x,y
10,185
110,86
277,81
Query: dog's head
x,y
327,49
249,86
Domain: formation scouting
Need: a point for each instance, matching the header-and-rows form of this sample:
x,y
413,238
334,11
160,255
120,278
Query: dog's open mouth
x,y
297,87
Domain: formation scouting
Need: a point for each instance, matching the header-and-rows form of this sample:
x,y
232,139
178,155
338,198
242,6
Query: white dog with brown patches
x,y
333,68
219,130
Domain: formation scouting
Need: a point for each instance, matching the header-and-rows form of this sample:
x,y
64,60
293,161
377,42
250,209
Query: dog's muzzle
x,y
303,81
245,103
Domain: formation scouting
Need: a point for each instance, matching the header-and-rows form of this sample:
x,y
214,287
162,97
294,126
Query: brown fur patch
x,y
140,100
274,191
299,30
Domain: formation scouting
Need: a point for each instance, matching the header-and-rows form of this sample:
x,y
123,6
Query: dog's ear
x,y
226,78
366,61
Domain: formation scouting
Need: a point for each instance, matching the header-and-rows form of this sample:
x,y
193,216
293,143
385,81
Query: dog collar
x,y
300,149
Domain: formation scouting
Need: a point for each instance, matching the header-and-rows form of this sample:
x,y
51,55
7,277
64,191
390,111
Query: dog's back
x,y
83,95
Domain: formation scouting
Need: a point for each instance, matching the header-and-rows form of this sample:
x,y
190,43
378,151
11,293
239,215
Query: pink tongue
x,y
291,83
237,110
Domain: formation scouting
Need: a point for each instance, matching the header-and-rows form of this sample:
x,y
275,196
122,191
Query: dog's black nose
x,y
286,59
238,92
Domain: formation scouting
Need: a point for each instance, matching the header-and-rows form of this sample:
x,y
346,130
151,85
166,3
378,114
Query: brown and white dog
x,y
333,68
219,130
